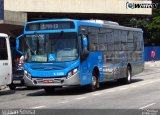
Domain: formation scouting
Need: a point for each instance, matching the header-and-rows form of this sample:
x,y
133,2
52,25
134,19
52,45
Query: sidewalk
x,y
152,64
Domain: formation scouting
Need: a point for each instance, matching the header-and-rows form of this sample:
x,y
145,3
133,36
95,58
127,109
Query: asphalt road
x,y
112,98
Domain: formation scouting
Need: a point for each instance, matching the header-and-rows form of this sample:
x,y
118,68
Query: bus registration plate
x,y
48,81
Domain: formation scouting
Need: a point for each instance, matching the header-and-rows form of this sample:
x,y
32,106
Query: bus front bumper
x,y
57,82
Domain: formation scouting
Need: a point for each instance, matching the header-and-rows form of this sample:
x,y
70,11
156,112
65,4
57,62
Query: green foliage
x,y
155,24
150,25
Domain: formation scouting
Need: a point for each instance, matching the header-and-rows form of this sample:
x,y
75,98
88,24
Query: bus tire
x,y
129,75
49,90
94,84
128,78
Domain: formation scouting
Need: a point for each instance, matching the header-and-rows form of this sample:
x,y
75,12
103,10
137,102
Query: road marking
x,y
97,94
38,107
64,102
134,86
115,90
123,88
147,82
152,81
147,106
81,98
110,91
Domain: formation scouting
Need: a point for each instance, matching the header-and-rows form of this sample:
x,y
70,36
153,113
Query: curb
x,y
152,64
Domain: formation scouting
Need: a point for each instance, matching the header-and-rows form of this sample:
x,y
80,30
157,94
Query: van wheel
x,y
128,78
49,90
12,87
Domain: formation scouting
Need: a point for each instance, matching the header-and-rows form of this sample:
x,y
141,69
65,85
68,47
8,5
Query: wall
x,y
147,51
75,6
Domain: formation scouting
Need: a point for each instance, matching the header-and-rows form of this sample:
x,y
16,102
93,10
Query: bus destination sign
x,y
49,26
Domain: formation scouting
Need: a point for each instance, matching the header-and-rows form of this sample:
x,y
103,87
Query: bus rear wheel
x,y
49,90
129,75
128,78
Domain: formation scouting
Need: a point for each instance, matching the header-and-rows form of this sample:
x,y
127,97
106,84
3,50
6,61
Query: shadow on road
x,y
7,92
26,88
113,84
78,90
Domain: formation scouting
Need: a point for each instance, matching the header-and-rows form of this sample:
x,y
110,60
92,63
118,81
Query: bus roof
x,y
113,25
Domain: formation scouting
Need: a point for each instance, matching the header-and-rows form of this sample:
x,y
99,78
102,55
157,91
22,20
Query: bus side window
x,y
101,42
124,40
130,41
110,42
3,49
117,41
93,42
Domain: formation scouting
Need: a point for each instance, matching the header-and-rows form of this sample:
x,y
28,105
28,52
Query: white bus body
x,y
5,60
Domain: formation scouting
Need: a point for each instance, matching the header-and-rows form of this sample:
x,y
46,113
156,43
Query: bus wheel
x,y
49,90
129,75
95,83
128,78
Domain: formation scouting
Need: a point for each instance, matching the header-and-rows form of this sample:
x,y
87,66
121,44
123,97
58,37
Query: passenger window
x,y
117,40
3,49
110,42
102,42
93,42
130,41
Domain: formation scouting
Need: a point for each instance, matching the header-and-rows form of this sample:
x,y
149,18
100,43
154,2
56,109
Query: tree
x,y
154,28
154,25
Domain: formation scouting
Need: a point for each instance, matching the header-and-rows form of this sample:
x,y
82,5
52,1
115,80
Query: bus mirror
x,y
19,44
85,42
85,45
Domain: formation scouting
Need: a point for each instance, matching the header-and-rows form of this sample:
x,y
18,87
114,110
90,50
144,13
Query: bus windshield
x,y
51,47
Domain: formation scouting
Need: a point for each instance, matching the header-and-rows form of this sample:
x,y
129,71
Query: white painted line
x,y
64,102
147,106
123,88
145,83
152,81
38,107
110,91
81,98
134,86
97,94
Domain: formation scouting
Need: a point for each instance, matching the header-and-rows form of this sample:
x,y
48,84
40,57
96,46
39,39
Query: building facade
x,y
17,12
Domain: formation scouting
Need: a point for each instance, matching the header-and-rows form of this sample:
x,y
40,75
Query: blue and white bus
x,y
65,52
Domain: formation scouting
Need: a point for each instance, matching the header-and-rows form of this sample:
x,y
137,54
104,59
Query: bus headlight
x,y
75,71
71,73
27,74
